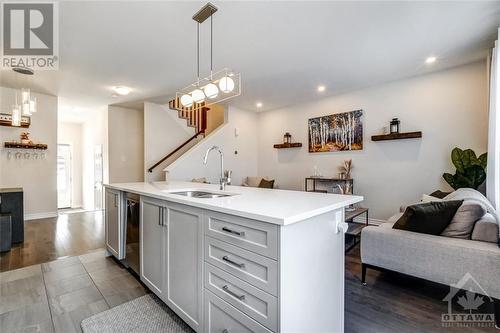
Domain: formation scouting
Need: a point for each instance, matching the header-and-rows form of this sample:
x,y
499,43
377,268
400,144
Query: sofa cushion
x,y
253,181
486,229
428,218
463,222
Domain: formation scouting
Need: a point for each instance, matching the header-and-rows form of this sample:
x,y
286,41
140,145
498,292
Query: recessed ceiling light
x,y
258,104
122,90
430,60
321,88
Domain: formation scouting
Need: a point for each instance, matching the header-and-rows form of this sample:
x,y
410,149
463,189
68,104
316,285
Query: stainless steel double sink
x,y
202,194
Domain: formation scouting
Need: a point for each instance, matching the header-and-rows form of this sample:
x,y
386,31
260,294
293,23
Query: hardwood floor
x,y
49,239
392,302
76,288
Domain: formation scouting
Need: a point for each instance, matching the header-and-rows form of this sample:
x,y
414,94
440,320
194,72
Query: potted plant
x,y
470,170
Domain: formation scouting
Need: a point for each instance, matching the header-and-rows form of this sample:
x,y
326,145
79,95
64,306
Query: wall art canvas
x,y
336,132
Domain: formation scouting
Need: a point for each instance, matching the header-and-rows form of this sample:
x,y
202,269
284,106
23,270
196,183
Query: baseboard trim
x,y
37,216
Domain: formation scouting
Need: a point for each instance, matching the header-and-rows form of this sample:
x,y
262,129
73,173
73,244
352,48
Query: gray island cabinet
x,y
239,263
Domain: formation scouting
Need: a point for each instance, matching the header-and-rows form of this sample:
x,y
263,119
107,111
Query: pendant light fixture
x,y
27,104
16,114
216,87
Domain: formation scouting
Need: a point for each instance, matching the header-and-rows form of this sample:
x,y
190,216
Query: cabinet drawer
x,y
252,235
252,301
222,317
255,269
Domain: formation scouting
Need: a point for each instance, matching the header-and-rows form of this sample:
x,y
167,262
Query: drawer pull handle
x,y
238,233
225,330
226,258
226,289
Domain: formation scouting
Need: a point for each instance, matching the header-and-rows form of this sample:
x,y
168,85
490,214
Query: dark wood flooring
x,y
392,302
389,303
49,239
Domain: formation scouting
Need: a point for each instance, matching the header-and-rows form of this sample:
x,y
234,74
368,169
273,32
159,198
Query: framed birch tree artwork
x,y
336,132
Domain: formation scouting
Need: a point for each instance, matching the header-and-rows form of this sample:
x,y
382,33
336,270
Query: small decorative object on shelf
x,y
344,188
345,169
25,138
394,125
287,138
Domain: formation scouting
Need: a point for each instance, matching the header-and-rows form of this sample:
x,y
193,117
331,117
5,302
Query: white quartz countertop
x,y
280,207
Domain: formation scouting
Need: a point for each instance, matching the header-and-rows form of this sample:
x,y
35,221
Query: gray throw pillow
x,y
462,224
486,229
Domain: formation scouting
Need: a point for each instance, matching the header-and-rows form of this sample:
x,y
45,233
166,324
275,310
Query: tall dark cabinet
x,y
11,202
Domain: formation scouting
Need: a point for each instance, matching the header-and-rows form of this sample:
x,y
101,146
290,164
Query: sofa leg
x,y
363,274
496,303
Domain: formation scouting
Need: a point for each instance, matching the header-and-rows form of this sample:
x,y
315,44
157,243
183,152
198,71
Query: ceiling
x,y
283,50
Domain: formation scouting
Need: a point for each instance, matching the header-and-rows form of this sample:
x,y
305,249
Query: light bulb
x,y
16,115
26,108
186,100
33,105
25,95
226,84
211,90
198,96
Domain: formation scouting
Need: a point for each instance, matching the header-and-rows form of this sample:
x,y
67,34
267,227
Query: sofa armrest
x,y
435,258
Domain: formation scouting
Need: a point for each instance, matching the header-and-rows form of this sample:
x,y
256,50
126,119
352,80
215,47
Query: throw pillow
x,y
429,198
463,222
428,218
253,181
266,183
486,229
439,194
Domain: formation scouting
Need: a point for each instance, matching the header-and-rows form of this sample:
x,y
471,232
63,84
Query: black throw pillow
x,y
428,218
266,183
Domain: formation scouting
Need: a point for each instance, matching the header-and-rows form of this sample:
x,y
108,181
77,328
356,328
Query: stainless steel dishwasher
x,y
132,258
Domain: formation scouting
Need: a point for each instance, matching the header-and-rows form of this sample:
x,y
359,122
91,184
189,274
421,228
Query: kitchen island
x,y
240,260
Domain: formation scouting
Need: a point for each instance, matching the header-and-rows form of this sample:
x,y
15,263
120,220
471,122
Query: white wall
x,y
126,142
71,133
243,163
449,107
95,130
37,177
163,132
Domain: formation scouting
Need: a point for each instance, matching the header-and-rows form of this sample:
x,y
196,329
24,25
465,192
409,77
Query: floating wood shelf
x,y
19,145
397,136
288,145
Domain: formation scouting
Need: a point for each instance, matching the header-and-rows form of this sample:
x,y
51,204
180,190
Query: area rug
x,y
146,314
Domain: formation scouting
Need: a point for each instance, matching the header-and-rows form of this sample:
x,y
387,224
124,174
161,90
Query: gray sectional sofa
x,y
440,259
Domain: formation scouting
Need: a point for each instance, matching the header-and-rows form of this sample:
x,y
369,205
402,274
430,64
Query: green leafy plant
x,y
471,170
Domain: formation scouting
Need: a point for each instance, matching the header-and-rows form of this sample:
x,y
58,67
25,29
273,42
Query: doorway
x,y
64,180
98,178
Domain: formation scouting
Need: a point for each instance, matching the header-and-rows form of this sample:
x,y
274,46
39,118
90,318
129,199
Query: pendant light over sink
x,y
216,87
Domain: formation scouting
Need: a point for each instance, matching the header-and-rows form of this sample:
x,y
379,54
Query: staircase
x,y
196,117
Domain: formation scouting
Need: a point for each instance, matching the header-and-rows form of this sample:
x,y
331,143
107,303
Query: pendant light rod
x,y
198,51
211,45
